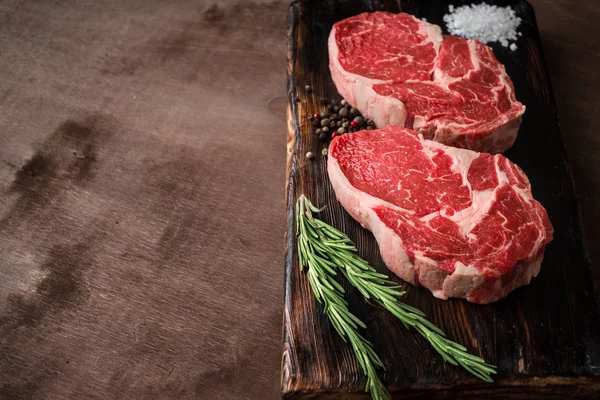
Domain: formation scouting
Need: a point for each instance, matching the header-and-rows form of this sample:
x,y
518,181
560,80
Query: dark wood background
x,y
142,174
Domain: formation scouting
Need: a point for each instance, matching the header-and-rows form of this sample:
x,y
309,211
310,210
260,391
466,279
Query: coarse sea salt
x,y
484,22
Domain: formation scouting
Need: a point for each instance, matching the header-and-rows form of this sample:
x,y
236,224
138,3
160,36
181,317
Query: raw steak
x,y
399,70
460,223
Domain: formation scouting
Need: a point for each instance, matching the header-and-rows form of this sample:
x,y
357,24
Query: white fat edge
x,y
504,82
454,130
367,203
426,145
395,112
432,32
501,175
504,78
451,129
468,218
461,158
541,236
447,132
538,241
367,200
439,294
466,270
464,284
394,109
474,57
536,246
481,200
400,254
429,217
396,257
524,193
334,59
527,196
444,80
418,255
419,122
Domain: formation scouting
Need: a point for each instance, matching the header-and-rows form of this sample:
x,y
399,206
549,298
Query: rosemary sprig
x,y
330,293
335,250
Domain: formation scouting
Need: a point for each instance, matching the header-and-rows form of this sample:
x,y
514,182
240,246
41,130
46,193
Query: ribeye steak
x,y
399,70
461,223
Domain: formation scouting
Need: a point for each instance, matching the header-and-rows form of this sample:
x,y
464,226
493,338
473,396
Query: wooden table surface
x,y
142,170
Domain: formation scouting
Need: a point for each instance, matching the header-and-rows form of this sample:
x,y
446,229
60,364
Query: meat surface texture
x,y
461,223
399,70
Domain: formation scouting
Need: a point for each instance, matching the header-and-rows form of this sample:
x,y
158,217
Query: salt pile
x,y
485,23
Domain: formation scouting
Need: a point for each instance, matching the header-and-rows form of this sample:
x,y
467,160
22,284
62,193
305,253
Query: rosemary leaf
x,y
325,248
313,252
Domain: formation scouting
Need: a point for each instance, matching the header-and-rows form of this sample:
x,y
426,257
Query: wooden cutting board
x,y
544,338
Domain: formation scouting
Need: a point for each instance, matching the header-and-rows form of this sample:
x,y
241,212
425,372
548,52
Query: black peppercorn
x,y
323,136
325,122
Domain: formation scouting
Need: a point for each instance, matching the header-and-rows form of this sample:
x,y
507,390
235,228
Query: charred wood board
x,y
544,338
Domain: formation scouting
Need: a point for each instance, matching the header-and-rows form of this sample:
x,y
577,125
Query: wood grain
x,y
142,155
192,96
544,338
